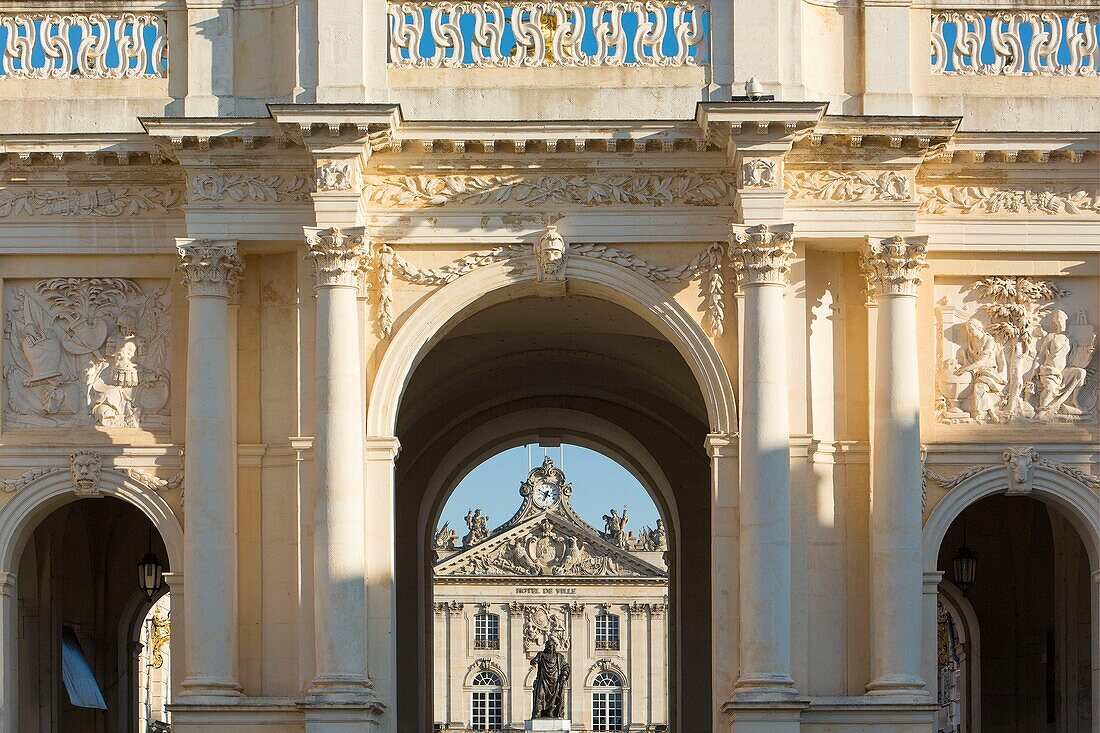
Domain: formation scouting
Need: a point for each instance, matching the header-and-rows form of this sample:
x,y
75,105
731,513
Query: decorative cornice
x,y
338,256
248,186
831,185
101,201
892,266
210,267
762,255
588,190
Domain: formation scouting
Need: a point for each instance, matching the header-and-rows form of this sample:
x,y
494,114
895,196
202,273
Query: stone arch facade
x,y
1052,483
18,519
496,283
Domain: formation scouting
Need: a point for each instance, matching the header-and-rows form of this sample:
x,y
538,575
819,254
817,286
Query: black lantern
x,y
150,571
964,563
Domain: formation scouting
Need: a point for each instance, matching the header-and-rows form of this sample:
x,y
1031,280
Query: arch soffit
x,y
25,510
1076,501
498,282
579,428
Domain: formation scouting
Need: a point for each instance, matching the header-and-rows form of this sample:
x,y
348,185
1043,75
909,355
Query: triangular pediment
x,y
546,545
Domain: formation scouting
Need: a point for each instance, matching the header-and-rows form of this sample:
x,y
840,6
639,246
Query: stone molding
x,y
338,256
102,201
847,186
949,199
210,267
1019,463
892,266
761,254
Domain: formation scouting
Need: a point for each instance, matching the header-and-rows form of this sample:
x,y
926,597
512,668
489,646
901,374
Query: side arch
x,y
1077,502
498,282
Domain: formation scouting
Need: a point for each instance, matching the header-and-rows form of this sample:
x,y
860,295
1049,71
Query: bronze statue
x,y
552,672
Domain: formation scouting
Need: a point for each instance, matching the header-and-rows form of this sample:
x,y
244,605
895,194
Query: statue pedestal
x,y
547,724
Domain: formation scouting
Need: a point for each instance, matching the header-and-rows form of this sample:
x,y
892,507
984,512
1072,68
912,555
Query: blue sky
x,y
599,483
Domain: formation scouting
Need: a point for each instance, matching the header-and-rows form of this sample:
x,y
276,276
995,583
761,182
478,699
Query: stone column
x,y
761,256
892,267
210,270
339,559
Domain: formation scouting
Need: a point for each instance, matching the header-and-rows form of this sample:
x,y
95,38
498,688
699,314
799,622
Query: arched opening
x,y
1032,602
577,557
83,620
511,369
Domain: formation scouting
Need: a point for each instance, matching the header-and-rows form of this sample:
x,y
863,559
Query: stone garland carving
x,y
544,551
102,201
1020,463
11,485
87,352
827,185
1016,360
248,186
541,622
85,466
759,173
333,175
707,265
993,200
642,189
154,483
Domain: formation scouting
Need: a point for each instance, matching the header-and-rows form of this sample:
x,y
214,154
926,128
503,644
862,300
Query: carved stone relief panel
x,y
86,352
1016,350
542,621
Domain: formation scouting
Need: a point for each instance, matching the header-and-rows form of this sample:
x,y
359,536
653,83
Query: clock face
x,y
545,495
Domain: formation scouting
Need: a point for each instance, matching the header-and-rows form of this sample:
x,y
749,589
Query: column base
x,y
329,716
764,688
237,714
213,689
339,688
904,687
764,716
867,714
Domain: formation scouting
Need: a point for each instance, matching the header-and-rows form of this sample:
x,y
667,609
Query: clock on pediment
x,y
546,491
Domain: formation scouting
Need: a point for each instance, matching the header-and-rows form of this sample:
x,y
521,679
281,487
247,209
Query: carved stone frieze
x,y
1020,463
337,256
638,189
831,185
106,201
761,255
893,266
85,466
249,186
86,352
1008,356
947,199
210,267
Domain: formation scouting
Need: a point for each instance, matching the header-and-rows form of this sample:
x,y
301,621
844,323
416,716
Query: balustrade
x,y
483,33
83,45
1015,42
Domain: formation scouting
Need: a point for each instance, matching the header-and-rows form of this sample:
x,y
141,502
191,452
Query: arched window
x,y
607,631
607,702
486,631
487,703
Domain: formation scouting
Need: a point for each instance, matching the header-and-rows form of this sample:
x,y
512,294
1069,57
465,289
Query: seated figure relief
x,y
1016,359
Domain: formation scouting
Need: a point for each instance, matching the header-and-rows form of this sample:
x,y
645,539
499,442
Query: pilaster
x,y
724,534
9,652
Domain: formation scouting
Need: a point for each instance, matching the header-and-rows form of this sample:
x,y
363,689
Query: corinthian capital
x,y
892,266
337,256
209,266
761,254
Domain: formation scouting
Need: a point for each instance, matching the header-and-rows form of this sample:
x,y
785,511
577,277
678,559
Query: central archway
x,y
486,362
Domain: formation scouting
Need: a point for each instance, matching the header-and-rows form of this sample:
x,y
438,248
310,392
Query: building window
x,y
487,703
607,702
486,631
607,631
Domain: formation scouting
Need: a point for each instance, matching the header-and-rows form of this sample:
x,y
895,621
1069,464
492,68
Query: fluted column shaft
x,y
761,257
210,270
339,559
892,267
